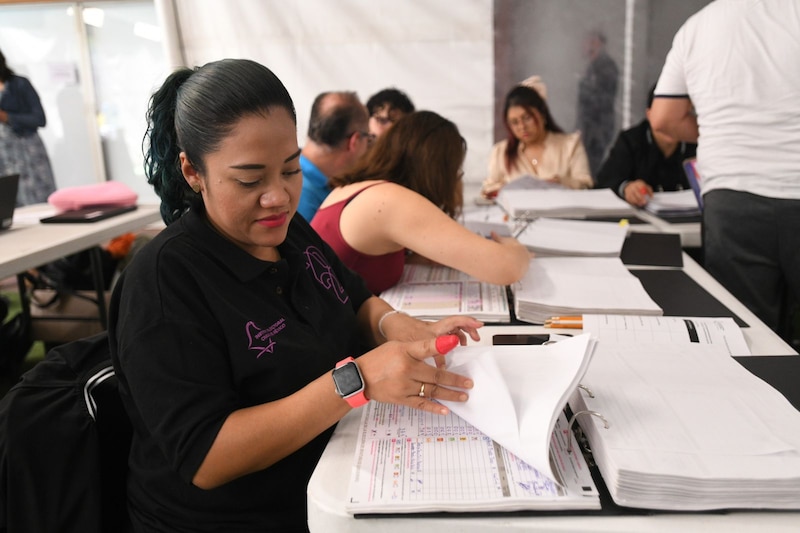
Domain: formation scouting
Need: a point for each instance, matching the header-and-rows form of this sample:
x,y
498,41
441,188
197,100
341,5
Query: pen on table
x,y
552,318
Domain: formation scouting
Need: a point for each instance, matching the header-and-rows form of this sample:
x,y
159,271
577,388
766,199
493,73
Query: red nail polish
x,y
445,343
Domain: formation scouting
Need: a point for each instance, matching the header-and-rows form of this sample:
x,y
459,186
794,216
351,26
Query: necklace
x,y
534,160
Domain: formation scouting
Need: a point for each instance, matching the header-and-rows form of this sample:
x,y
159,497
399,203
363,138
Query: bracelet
x,y
386,314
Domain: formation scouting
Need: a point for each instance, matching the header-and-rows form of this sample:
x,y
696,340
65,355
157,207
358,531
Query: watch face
x,y
347,379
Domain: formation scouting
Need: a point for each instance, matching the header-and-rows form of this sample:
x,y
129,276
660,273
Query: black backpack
x,y
64,443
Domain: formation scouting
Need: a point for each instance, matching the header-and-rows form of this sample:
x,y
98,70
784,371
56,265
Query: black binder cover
x,y
679,295
652,249
780,371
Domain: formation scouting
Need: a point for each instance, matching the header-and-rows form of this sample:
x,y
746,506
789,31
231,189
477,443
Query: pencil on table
x,y
564,325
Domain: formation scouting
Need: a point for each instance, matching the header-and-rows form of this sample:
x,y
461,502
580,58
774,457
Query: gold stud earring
x,y
196,188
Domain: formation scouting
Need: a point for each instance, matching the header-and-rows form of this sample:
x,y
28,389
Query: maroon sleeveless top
x,y
379,271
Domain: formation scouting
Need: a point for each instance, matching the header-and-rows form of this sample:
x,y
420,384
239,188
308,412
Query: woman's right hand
x,y
511,241
396,372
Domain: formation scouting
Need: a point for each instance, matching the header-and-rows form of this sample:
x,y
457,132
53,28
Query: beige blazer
x,y
563,159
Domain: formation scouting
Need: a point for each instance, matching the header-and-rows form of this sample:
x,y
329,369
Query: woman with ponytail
x,y
232,331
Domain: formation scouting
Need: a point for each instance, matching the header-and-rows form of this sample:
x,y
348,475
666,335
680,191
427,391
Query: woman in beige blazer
x,y
536,146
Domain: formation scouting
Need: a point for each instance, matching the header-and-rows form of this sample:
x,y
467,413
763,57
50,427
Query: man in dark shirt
x,y
642,161
597,92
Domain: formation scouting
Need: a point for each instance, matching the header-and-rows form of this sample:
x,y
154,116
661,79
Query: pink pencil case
x,y
107,193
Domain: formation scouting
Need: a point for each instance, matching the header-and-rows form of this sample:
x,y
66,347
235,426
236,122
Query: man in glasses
x,y
387,107
337,136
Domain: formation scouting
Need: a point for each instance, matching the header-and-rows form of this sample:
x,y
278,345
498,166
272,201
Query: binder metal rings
x,y
574,417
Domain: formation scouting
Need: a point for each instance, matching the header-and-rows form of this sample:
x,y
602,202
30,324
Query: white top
x,y
738,62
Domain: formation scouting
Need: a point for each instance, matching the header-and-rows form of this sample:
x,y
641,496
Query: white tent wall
x,y
439,52
456,57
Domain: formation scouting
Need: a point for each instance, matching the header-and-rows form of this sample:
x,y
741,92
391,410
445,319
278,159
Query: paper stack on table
x,y
559,286
689,429
563,237
673,203
563,203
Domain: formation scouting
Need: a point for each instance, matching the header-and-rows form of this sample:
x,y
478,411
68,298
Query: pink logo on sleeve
x,y
316,261
260,340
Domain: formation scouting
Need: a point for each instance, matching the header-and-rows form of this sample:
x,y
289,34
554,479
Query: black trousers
x,y
752,247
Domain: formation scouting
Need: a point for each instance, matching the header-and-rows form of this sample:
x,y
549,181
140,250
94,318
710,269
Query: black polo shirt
x,y
635,155
200,328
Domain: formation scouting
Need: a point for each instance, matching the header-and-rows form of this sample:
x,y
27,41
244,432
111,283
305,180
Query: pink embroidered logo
x,y
316,261
260,340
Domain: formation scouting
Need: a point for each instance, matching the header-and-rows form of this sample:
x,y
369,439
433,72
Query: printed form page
x,y
409,461
638,329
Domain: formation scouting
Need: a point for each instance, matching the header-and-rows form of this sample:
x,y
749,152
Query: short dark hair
x,y
192,112
391,98
5,72
335,116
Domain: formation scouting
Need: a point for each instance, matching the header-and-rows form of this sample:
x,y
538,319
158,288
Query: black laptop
x,y
8,199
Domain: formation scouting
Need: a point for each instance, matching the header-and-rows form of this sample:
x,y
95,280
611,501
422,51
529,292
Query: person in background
x,y
403,196
232,331
731,82
536,145
337,136
387,107
642,161
597,91
21,149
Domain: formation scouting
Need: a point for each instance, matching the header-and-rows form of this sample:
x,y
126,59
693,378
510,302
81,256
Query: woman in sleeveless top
x,y
402,199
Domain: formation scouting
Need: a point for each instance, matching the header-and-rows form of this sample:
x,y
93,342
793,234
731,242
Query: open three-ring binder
x,y
509,448
664,419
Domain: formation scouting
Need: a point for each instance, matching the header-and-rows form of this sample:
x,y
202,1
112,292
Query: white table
x,y
29,243
328,484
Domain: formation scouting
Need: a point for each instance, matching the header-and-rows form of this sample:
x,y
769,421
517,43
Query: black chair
x,y
64,444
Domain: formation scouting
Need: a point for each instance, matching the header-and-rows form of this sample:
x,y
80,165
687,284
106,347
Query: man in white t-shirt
x,y
731,83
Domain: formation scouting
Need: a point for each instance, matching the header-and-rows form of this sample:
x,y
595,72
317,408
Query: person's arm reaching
x,y
418,225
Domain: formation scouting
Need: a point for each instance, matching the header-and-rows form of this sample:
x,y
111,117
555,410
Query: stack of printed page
x,y
567,286
689,428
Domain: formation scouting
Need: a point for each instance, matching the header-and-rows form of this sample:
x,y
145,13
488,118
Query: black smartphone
x,y
505,339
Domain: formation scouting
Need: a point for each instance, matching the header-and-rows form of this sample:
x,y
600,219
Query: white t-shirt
x,y
739,62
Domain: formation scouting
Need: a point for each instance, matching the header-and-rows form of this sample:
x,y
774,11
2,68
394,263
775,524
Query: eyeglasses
x,y
524,119
367,135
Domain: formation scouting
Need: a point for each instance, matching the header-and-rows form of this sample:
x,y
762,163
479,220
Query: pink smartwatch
x,y
349,382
